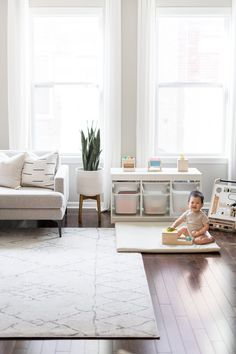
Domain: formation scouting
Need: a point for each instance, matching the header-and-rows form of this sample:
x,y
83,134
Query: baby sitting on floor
x,y
196,221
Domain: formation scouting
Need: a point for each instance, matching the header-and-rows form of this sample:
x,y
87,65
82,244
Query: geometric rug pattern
x,y
76,286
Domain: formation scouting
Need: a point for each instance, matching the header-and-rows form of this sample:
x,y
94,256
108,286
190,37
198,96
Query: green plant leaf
x,y
91,150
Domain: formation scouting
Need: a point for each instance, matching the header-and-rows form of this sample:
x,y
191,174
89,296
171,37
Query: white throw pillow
x,y
39,171
10,170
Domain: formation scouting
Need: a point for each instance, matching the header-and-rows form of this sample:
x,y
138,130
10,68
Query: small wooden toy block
x,y
170,237
182,164
154,164
128,163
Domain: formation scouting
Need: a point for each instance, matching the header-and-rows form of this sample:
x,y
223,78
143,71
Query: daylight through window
x,y
192,57
67,72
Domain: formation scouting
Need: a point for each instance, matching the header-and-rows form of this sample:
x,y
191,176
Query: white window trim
x,y
193,11
66,3
64,11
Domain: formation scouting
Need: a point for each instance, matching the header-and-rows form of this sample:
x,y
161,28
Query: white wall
x,y
4,142
210,169
129,82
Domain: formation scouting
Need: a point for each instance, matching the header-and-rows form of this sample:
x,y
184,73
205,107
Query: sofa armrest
x,y
61,182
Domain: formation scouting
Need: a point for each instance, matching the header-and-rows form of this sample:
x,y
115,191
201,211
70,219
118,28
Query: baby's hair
x,y
196,194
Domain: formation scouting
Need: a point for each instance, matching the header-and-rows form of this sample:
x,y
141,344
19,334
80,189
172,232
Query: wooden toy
x,y
170,237
128,164
182,164
222,212
154,164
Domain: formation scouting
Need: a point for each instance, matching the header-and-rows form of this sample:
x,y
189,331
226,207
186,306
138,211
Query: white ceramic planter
x,y
89,183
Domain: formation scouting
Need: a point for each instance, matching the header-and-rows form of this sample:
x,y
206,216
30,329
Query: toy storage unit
x,y
155,198
222,212
126,198
150,196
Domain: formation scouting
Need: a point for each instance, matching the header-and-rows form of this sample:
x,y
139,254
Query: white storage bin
x,y
155,203
126,187
126,203
155,187
179,201
185,186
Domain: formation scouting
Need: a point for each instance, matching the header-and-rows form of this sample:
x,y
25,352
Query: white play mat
x,y
146,237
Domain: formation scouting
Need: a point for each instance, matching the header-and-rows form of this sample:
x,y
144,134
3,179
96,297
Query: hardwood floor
x,y
194,298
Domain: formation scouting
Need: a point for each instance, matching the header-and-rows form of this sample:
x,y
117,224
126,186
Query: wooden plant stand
x,y
84,197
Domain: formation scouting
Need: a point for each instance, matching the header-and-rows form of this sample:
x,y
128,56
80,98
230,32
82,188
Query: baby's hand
x,y
194,233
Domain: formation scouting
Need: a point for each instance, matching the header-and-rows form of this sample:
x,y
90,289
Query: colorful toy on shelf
x,y
182,164
170,237
128,163
154,164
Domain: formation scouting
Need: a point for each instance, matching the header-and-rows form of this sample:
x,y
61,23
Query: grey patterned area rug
x,y
73,286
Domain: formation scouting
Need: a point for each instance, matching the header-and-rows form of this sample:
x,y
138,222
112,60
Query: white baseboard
x,y
92,204
87,205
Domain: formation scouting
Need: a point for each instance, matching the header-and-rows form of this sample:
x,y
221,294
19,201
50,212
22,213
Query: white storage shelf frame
x,y
141,176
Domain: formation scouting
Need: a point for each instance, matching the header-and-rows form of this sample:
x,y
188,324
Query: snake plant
x,y
91,149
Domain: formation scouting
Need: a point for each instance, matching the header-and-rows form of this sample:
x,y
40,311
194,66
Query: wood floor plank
x,y
162,345
121,345
220,347
174,335
200,305
204,343
148,260
19,351
35,347
161,290
22,344
187,298
209,327
77,346
144,346
7,346
63,345
188,336
105,346
220,294
223,280
227,333
171,288
91,347
49,346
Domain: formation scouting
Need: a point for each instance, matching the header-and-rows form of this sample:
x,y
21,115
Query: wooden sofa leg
x,y
59,223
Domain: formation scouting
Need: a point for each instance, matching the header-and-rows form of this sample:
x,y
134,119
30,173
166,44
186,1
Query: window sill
x,y
222,160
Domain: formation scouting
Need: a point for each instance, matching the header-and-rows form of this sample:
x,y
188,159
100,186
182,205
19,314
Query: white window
x,y
67,72
192,57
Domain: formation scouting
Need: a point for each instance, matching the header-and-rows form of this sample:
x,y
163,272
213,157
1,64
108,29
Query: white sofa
x,y
29,202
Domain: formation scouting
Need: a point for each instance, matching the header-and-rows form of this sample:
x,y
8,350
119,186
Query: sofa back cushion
x,y
11,169
39,171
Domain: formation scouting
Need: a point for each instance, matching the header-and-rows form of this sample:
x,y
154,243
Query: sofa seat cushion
x,y
30,198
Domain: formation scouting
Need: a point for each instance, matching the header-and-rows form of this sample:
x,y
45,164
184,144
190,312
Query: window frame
x,y
66,11
224,12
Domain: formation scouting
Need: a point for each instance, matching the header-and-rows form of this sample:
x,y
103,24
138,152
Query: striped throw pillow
x,y
39,171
